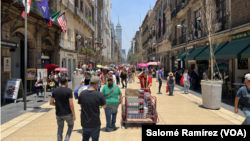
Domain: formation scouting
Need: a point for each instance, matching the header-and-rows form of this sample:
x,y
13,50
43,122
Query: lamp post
x,y
184,26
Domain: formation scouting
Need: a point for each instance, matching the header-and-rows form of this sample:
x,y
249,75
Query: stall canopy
x,y
205,55
246,53
221,66
195,53
183,55
233,49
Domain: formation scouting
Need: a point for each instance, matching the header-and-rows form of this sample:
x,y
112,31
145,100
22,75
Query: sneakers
x,y
115,128
107,129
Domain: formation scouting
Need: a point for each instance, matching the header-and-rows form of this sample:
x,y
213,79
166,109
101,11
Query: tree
x,y
210,26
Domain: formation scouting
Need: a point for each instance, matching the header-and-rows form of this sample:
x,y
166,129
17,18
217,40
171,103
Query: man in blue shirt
x,y
244,92
160,79
86,83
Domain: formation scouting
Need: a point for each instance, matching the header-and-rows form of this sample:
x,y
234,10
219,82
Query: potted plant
x,y
211,89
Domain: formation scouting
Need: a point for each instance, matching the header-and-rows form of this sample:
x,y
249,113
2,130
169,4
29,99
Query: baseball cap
x,y
247,76
63,79
94,80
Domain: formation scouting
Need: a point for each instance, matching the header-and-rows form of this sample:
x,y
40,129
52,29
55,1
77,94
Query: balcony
x,y
70,45
88,21
173,14
182,39
159,40
68,4
174,42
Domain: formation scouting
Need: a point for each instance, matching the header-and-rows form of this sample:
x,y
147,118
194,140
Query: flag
x,y
49,23
44,7
28,8
62,22
53,18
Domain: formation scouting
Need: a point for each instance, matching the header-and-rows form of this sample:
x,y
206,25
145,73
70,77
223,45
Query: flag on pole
x,y
62,22
28,8
53,18
44,7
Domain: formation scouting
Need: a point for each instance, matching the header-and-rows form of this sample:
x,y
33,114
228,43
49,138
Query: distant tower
x,y
118,33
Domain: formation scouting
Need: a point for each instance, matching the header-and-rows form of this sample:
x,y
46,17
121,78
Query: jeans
x,y
39,90
94,133
160,83
111,110
124,79
171,89
60,122
186,86
129,76
246,111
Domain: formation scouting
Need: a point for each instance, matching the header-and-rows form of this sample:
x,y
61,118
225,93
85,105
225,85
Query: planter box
x,y
211,94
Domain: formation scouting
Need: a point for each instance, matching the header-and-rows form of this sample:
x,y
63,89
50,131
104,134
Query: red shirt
x,y
145,79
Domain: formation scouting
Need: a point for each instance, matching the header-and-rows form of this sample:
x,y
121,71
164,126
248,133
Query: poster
x,y
42,76
31,74
7,64
12,88
243,64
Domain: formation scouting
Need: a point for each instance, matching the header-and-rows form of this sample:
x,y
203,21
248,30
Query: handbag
x,y
182,80
51,83
167,89
244,101
111,91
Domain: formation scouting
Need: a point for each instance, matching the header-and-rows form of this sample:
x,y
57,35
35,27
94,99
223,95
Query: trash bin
x,y
76,80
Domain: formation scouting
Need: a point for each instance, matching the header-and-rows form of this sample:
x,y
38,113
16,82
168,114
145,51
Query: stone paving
x,y
178,109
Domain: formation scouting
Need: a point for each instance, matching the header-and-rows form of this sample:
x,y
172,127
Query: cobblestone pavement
x,y
40,125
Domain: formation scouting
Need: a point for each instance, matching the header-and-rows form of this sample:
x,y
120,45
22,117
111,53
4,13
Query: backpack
x,y
171,80
82,89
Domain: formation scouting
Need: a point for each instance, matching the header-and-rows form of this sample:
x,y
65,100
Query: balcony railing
x,y
174,42
159,40
173,14
182,39
86,20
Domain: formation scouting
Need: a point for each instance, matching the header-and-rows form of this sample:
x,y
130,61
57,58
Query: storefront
x,y
68,60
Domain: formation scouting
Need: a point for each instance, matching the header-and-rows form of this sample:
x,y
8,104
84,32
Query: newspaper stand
x,y
138,114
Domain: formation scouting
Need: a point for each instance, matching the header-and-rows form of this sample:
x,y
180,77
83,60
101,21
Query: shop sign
x,y
8,44
42,76
70,55
89,57
12,88
190,47
7,64
241,35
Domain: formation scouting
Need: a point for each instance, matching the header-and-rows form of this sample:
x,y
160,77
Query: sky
x,y
129,12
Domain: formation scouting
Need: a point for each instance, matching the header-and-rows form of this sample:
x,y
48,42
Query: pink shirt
x,y
185,77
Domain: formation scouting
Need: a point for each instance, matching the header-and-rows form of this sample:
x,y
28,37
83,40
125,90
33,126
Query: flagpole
x,y
25,58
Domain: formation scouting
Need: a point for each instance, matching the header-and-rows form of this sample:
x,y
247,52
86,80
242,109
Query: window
x,y
183,29
69,38
81,6
221,5
76,3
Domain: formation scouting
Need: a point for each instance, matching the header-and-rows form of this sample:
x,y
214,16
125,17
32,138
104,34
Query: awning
x,y
183,55
221,66
246,53
205,55
195,53
233,49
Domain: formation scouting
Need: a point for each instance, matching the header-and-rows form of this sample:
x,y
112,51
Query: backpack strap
x,y
111,91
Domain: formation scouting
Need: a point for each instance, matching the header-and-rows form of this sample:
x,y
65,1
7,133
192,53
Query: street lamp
x,y
184,26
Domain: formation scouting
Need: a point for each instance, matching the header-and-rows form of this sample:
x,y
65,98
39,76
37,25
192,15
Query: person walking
x,y
86,74
99,76
56,79
192,77
133,74
38,88
186,82
177,75
242,96
124,76
160,79
105,75
205,75
113,96
62,99
84,86
116,73
111,74
150,73
171,81
129,75
90,100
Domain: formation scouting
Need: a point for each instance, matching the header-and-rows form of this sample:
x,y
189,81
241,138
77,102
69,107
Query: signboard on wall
x,y
31,74
6,64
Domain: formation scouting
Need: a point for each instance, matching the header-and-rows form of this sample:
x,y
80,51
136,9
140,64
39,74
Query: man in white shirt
x,y
205,75
111,74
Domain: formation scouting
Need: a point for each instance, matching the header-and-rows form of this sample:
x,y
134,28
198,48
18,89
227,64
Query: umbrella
x,y
50,67
61,69
105,67
84,66
143,65
99,66
154,63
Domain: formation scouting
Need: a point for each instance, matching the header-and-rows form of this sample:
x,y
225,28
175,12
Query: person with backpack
x,y
171,83
177,75
243,96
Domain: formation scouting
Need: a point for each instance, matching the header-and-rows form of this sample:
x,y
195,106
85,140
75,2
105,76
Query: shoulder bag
x,y
244,101
111,91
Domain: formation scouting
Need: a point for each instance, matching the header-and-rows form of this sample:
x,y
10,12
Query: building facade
x,y
118,31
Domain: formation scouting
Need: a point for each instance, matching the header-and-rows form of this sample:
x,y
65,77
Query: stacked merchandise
x,y
133,106
148,104
141,107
